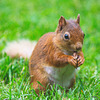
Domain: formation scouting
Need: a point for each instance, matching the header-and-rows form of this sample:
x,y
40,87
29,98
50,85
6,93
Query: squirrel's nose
x,y
78,46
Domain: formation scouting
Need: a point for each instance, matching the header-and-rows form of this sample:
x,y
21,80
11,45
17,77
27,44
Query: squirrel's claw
x,y
80,60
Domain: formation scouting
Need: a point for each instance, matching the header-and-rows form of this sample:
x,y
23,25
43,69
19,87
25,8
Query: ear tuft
x,y
78,19
62,21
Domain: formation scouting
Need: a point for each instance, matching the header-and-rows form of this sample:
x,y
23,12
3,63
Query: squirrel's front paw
x,y
80,61
72,61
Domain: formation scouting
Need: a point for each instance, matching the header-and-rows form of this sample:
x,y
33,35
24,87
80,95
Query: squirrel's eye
x,y
84,35
66,36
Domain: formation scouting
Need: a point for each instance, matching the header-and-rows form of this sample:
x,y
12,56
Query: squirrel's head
x,y
69,36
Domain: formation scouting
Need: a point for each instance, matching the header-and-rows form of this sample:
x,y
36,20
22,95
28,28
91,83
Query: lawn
x,y
30,19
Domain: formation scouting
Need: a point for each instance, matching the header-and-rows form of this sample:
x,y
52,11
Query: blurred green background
x,y
30,19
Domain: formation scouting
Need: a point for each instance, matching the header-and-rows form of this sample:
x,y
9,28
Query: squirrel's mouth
x,y
74,51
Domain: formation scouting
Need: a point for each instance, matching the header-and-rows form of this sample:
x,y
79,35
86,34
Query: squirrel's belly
x,y
61,76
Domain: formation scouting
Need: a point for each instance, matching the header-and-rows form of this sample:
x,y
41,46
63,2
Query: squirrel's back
x,y
22,48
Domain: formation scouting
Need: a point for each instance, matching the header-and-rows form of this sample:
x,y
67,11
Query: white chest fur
x,y
61,76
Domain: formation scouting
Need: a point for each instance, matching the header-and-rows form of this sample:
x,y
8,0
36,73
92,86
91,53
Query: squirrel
x,y
57,55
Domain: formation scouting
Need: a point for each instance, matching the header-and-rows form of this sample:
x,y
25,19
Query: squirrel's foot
x,y
72,61
80,61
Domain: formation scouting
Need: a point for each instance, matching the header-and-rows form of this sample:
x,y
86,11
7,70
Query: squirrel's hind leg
x,y
71,84
39,80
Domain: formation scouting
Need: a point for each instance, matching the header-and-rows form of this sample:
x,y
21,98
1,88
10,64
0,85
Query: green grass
x,y
30,19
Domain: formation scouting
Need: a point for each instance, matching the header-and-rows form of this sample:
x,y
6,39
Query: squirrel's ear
x,y
78,19
62,22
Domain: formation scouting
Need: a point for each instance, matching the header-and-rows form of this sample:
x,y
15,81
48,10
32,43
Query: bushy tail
x,y
21,48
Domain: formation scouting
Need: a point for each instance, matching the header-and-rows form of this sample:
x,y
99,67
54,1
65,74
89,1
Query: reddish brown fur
x,y
50,51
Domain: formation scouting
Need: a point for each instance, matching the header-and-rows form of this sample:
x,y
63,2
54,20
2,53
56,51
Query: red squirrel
x,y
57,55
